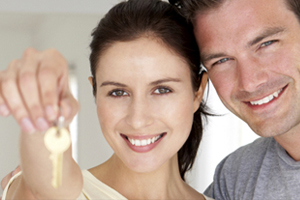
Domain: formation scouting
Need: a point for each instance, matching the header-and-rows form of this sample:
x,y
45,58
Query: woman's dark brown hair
x,y
134,19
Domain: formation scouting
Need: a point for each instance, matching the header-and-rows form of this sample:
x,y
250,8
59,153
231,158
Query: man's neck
x,y
290,141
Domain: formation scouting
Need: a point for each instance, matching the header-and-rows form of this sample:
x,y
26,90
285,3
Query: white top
x,y
92,189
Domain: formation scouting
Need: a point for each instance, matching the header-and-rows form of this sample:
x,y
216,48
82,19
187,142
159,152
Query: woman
x,y
148,92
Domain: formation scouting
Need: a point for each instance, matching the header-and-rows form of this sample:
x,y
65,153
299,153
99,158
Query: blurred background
x,y
66,25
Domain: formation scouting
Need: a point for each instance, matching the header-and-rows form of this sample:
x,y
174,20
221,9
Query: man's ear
x,y
199,94
91,80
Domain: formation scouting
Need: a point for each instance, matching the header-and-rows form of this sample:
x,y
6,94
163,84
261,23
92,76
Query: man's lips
x,y
267,99
143,141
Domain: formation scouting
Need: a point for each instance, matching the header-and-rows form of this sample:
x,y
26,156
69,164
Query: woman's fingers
x,y
69,107
29,89
59,99
33,88
13,97
53,80
4,110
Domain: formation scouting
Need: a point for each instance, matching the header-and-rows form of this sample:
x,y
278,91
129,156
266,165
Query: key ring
x,y
60,122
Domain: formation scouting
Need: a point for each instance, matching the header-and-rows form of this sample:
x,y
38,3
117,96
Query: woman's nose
x,y
139,114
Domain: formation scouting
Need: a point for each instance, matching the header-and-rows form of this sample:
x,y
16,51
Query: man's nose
x,y
251,74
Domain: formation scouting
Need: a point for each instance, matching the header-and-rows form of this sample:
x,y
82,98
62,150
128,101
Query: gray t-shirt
x,y
261,170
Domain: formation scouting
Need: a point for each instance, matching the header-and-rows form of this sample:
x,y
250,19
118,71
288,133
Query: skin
x,y
26,76
251,51
139,97
151,103
32,87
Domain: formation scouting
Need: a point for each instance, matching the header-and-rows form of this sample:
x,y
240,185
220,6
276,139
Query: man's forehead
x,y
221,30
235,15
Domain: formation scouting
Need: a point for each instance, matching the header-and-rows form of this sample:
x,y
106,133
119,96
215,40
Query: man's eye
x,y
162,90
221,61
118,93
268,43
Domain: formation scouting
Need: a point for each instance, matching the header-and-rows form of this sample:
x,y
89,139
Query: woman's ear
x,y
91,80
200,92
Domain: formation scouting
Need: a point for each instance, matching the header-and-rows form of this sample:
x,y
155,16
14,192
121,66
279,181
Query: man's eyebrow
x,y
208,57
160,81
106,83
266,33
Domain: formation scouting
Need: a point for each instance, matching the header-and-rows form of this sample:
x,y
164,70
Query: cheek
x,y
180,114
278,62
224,84
108,114
285,61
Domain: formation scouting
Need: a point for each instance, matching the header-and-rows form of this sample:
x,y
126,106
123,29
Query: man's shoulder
x,y
242,167
256,148
249,153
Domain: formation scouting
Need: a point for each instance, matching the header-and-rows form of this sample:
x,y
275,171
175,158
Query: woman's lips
x,y
144,144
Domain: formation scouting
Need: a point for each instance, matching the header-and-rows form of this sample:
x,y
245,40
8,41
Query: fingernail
x,y
4,111
42,124
27,125
51,112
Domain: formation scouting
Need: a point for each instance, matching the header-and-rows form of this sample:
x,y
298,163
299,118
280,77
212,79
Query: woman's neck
x,y
163,183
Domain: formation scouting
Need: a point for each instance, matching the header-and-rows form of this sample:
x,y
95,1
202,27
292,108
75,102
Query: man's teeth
x,y
144,142
266,99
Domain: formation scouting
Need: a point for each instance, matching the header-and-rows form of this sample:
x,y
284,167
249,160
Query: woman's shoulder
x,y
93,188
192,193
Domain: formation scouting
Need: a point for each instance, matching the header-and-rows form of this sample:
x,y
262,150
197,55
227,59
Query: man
x,y
251,49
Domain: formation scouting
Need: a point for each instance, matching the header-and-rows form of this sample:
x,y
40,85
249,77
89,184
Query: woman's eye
x,y
162,90
118,93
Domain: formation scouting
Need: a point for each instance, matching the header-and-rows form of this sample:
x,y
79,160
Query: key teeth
x,y
57,146
54,184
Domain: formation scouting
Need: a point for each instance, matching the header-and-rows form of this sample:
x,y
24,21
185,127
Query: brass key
x,y
57,140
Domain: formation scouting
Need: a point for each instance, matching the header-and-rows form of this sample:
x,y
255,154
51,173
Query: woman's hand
x,y
33,88
35,91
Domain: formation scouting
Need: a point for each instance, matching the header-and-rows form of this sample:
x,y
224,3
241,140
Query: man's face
x,y
252,52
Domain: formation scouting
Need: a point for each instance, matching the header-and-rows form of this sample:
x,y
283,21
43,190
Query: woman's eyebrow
x,y
160,81
106,83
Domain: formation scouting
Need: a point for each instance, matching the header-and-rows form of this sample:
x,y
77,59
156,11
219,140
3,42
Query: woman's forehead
x,y
141,58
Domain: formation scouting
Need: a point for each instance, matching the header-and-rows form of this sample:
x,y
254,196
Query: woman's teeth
x,y
144,142
266,99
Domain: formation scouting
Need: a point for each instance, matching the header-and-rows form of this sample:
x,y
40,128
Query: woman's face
x,y
145,102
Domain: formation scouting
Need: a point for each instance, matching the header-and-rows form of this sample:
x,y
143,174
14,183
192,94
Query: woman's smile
x,y
142,144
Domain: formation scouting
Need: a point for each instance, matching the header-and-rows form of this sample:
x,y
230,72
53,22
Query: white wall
x,y
70,34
